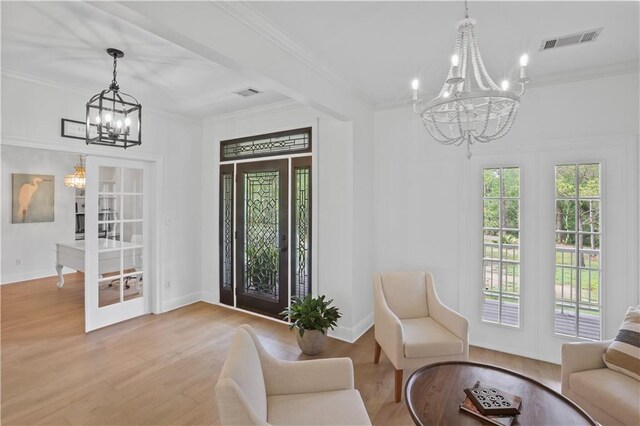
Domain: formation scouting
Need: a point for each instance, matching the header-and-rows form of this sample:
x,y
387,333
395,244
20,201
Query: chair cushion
x,y
623,354
424,337
343,407
610,391
406,294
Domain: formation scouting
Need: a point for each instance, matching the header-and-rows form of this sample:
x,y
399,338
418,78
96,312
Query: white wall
x,y
31,113
32,244
426,216
338,274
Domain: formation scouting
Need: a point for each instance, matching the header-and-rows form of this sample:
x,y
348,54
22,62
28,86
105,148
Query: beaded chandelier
x,y
470,107
78,178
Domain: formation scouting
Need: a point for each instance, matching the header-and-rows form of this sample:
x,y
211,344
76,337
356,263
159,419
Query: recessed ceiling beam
x,y
224,34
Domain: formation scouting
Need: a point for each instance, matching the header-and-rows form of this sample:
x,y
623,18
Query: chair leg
x,y
376,356
398,385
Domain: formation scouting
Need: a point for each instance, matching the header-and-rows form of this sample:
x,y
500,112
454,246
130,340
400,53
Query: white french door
x,y
116,241
566,293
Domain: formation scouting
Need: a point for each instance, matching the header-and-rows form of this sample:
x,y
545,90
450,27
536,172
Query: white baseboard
x,y
209,297
179,302
341,333
514,351
33,275
350,335
362,327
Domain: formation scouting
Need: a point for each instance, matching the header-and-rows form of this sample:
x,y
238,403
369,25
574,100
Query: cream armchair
x,y
255,388
611,398
412,326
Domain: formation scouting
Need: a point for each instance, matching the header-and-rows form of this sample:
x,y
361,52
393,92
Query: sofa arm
x,y
318,375
581,356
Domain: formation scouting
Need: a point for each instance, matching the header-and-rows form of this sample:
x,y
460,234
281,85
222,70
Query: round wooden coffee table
x,y
434,393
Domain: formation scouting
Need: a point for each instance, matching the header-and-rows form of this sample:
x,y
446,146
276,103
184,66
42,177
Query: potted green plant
x,y
311,317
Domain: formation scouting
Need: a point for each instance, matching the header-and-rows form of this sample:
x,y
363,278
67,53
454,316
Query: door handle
x,y
284,243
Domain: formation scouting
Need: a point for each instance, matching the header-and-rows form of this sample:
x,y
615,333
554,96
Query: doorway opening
x,y
110,226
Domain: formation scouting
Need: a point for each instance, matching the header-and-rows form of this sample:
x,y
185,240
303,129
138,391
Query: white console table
x,y
72,255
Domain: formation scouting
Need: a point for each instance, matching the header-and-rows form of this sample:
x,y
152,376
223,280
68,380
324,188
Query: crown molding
x,y
82,93
249,16
564,77
279,106
553,79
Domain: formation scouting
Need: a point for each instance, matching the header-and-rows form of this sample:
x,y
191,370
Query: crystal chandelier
x,y
116,115
78,178
470,107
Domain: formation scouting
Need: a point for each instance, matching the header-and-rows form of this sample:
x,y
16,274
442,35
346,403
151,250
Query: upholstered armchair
x,y
255,388
610,397
412,326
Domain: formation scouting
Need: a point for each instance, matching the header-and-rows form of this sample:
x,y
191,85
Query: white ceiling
x,y
380,46
65,42
376,47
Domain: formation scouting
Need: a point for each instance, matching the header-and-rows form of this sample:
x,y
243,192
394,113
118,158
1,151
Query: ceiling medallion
x,y
470,107
116,115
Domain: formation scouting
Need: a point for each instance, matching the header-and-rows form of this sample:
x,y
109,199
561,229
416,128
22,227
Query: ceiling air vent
x,y
248,92
570,39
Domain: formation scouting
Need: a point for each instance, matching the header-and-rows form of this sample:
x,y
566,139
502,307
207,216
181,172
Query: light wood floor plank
x,y
159,369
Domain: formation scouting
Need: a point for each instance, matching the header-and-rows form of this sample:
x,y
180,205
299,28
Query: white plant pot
x,y
312,342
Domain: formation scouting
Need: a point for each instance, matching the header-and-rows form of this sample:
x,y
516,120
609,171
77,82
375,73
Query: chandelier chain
x,y
114,83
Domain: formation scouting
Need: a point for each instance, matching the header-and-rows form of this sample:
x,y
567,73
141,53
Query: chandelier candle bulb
x,y
415,84
455,66
524,76
504,85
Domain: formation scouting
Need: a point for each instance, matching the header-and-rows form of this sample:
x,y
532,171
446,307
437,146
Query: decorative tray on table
x,y
491,404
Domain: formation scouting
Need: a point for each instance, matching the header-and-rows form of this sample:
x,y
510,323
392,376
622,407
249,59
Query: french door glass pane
x,y
511,182
132,181
491,214
132,206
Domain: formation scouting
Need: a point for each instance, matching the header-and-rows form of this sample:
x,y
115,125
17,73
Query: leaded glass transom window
x,y
281,143
578,253
501,246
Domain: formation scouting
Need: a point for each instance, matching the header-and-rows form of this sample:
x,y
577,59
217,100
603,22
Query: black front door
x,y
262,240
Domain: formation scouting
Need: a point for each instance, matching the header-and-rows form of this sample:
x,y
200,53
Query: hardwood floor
x,y
159,369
